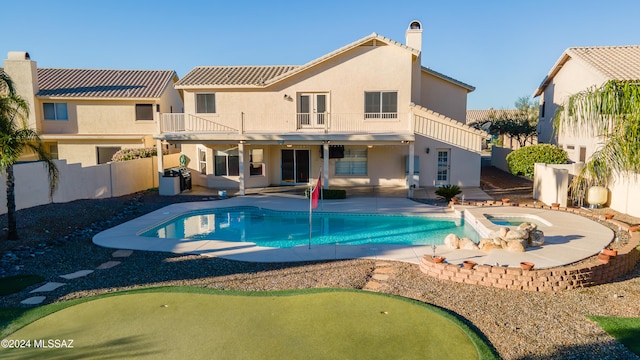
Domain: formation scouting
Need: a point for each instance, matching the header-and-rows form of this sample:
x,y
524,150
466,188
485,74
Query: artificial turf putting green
x,y
328,325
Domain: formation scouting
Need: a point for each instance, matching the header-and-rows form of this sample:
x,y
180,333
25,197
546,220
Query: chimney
x,y
414,35
24,74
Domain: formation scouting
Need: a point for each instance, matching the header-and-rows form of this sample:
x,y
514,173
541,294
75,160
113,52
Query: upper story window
x,y
381,105
205,103
144,111
55,111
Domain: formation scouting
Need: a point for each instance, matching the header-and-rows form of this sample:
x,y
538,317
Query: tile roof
x,y
260,76
469,88
233,75
482,115
614,62
81,83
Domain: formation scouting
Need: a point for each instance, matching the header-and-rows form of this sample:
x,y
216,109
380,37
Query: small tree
x,y
16,138
521,123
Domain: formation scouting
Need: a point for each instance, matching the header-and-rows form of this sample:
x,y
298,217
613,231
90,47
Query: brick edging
x,y
554,279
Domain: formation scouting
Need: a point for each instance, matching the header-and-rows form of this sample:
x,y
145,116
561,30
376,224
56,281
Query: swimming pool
x,y
283,229
515,220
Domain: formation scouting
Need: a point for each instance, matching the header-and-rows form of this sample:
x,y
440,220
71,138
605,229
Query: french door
x,y
312,110
442,176
295,166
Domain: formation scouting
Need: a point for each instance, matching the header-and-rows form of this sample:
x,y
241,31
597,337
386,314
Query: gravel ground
x,y
56,239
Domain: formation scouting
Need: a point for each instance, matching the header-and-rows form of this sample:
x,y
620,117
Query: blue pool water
x,y
282,229
513,220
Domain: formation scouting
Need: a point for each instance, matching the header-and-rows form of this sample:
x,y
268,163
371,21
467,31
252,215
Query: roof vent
x,y
18,55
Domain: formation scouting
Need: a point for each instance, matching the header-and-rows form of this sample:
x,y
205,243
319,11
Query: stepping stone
x,y
122,253
380,277
386,270
50,286
383,264
372,286
77,274
34,300
108,265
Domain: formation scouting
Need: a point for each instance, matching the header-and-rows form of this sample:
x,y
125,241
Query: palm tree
x,y
16,139
612,112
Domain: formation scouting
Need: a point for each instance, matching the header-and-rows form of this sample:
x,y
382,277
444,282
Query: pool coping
x,y
589,236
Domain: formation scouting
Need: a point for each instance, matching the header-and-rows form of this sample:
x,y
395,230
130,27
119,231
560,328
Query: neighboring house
x,y
486,116
578,69
86,115
359,113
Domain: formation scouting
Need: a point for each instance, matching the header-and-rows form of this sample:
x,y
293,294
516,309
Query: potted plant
x,y
603,258
436,259
526,265
468,264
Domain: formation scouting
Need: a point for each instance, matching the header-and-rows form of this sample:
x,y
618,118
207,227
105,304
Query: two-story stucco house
x,y
86,115
357,113
578,69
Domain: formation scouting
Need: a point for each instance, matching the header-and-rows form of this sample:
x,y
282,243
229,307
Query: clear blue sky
x,y
503,48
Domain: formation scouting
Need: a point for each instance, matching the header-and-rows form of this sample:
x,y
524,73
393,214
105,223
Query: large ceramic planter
x,y
525,265
468,264
603,258
597,196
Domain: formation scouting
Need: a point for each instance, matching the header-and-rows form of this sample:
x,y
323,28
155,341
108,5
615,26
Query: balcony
x,y
243,123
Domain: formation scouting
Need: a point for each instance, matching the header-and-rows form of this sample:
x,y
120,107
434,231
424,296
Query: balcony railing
x,y
420,121
285,123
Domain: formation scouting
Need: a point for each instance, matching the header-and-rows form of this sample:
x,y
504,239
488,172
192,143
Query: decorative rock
x,y
517,240
468,244
515,246
452,241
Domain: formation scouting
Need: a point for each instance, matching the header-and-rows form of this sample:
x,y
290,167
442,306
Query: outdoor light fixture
x,y
427,150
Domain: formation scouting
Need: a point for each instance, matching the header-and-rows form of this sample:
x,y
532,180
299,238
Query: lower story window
x,y
256,162
354,162
227,163
202,161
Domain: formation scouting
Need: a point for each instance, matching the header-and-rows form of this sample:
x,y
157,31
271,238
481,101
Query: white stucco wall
x,y
444,97
344,78
573,77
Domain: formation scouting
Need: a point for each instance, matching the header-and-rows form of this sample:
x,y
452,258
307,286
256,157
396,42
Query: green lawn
x,y
625,330
198,323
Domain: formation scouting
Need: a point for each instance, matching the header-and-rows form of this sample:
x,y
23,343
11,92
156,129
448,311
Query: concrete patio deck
x,y
569,237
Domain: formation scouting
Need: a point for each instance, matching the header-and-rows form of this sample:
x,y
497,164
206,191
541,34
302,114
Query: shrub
x,y
448,192
522,160
135,153
330,194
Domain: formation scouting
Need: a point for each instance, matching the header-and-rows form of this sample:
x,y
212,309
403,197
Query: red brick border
x,y
554,279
